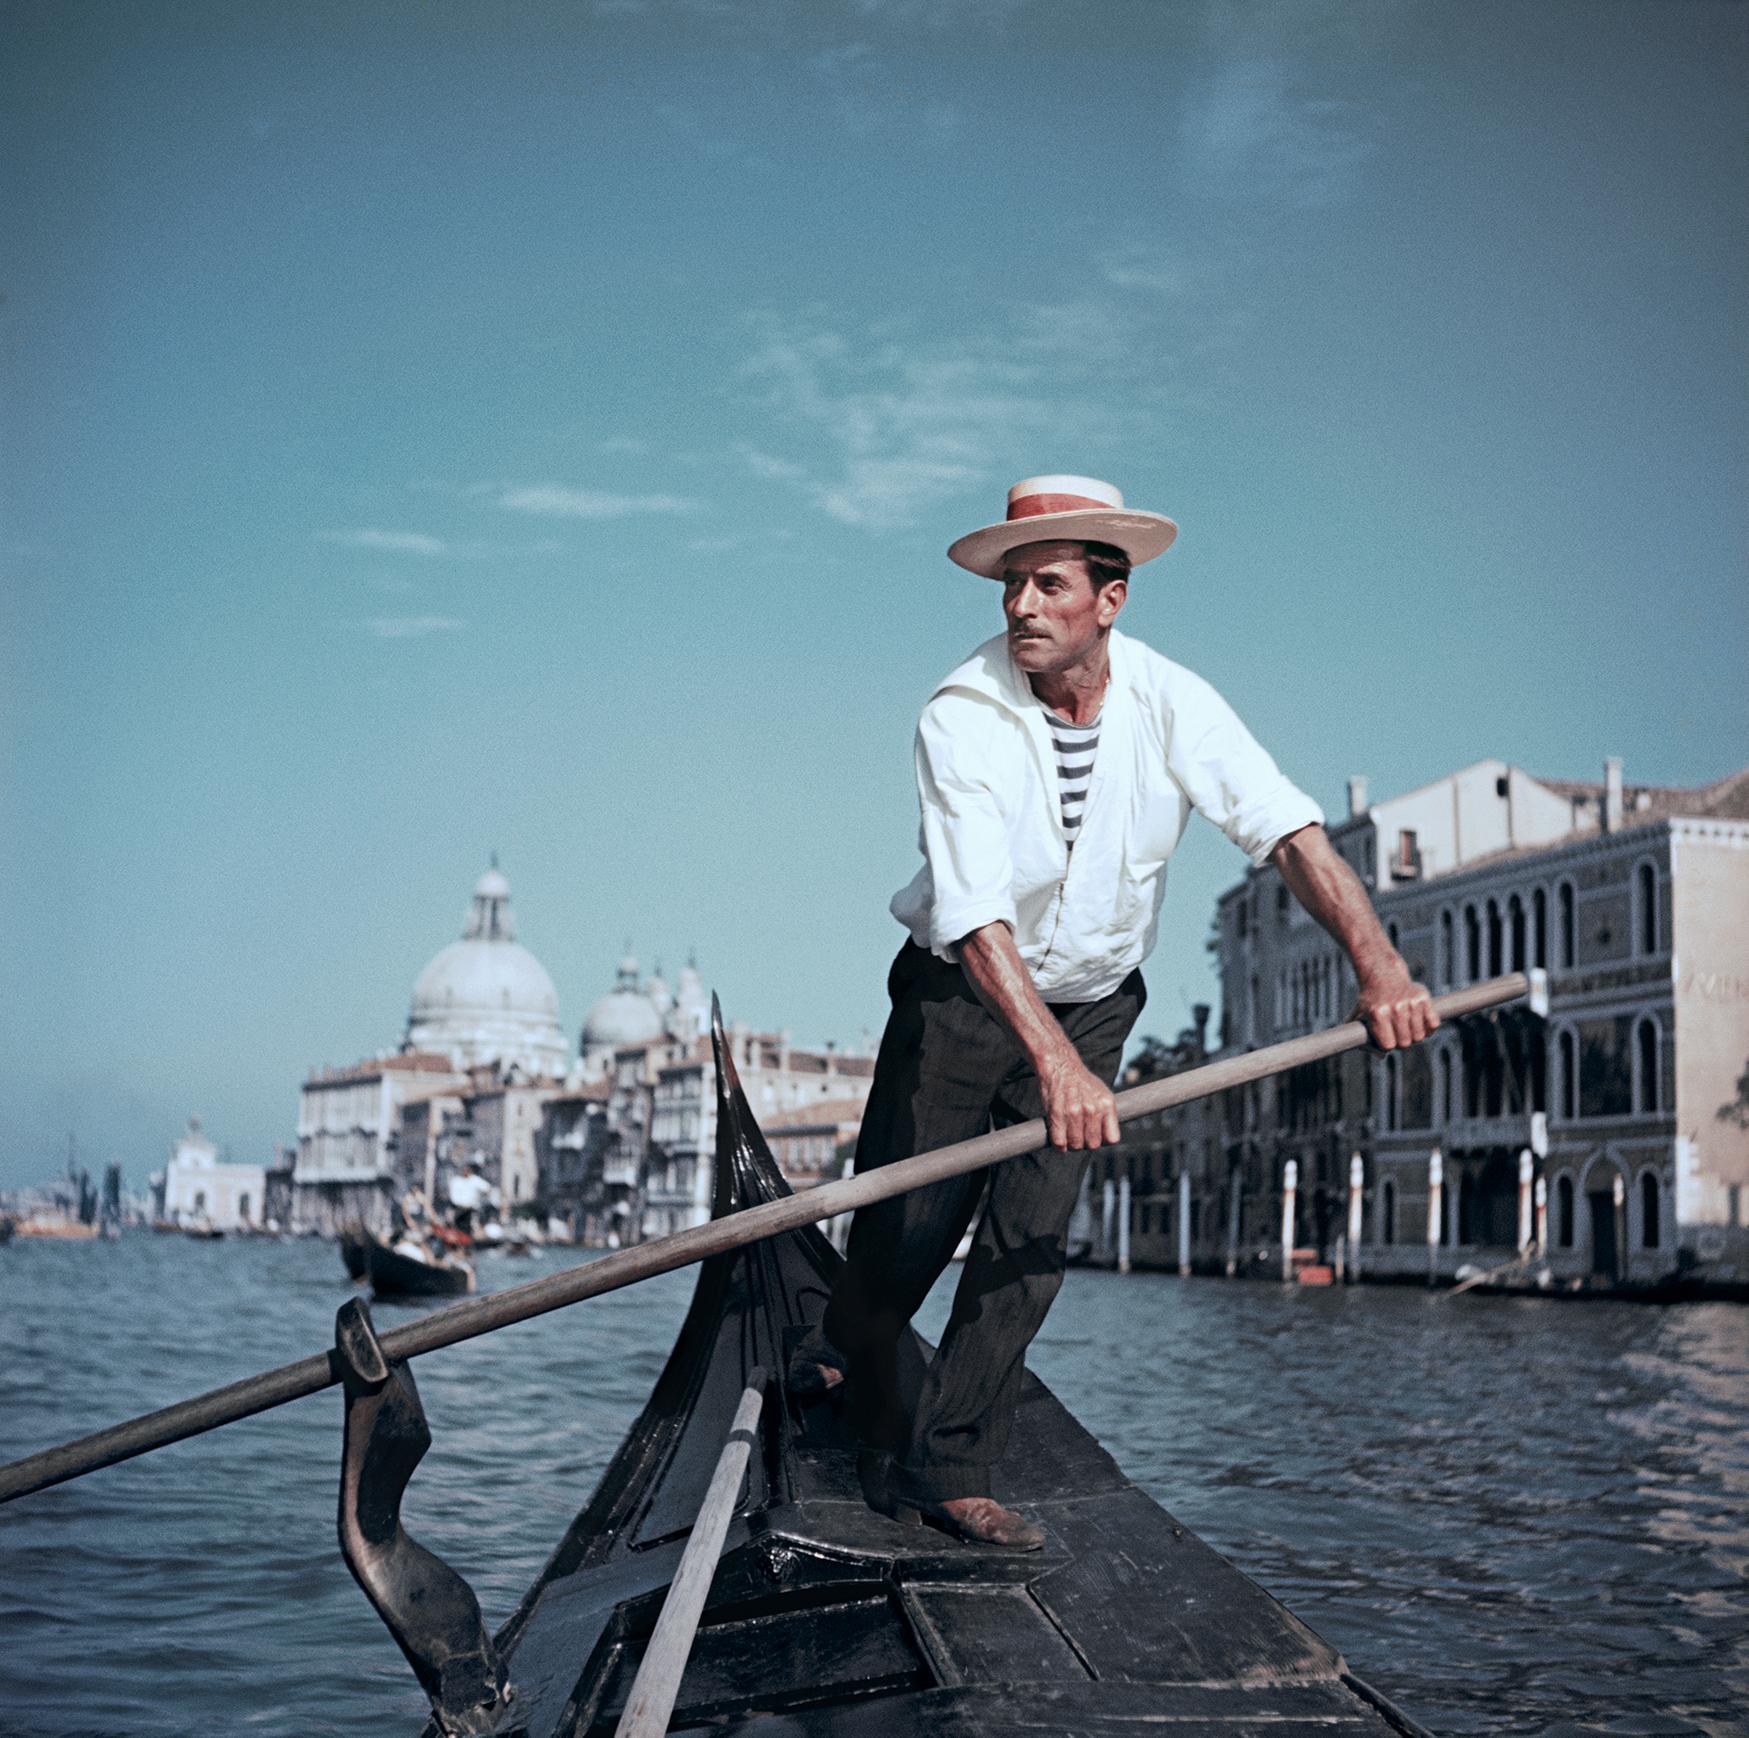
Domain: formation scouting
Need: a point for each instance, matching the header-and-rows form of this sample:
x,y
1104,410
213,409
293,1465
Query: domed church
x,y
633,1012
486,998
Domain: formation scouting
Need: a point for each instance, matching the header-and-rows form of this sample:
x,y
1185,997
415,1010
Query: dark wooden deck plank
x,y
1086,1710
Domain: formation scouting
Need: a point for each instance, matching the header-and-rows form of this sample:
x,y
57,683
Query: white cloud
x,y
563,503
412,627
387,542
896,424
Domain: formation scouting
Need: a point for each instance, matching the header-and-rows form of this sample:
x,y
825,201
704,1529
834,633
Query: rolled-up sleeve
x,y
964,833
1229,776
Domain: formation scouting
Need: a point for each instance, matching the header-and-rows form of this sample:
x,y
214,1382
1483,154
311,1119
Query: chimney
x,y
1199,1015
1612,794
1357,795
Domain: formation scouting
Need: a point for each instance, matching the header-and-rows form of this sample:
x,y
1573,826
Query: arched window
x,y
1496,941
243,1205
1647,1048
1472,945
1563,1212
1569,1050
1391,1091
1447,951
1539,928
1387,1211
1650,1231
1646,886
1515,925
1446,1103
1567,927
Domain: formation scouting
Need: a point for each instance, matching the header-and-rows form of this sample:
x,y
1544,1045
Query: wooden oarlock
x,y
483,1315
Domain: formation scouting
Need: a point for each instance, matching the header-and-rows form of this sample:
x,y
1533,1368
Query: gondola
x,y
355,1250
392,1274
825,1617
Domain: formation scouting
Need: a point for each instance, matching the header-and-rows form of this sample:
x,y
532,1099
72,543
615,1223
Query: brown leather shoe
x,y
983,1521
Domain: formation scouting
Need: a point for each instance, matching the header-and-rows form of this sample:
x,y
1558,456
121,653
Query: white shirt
x,y
994,848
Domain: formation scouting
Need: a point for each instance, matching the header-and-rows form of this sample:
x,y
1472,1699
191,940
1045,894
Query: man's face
x,y
1055,617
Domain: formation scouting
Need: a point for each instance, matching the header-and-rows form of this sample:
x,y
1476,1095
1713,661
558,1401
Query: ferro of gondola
x,y
482,1315
427,1606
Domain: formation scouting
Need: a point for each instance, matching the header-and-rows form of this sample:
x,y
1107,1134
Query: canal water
x,y
1513,1516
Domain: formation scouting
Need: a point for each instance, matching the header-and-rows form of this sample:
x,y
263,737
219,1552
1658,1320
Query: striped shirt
x,y
1076,744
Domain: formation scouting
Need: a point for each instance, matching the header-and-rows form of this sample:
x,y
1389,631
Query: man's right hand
x,y
1080,1109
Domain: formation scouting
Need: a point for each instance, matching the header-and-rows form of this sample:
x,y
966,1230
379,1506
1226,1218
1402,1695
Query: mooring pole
x,y
1290,1178
1435,1211
1356,1211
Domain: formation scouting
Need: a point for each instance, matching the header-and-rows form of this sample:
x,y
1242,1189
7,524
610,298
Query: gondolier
x,y
1056,770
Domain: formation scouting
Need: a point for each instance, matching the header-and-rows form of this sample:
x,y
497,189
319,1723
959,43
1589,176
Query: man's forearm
x,y
1331,892
1079,1107
1396,1009
992,961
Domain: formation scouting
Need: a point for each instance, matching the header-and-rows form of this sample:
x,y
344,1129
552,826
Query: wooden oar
x,y
484,1315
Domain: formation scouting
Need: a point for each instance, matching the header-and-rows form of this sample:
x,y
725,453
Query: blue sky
x,y
445,429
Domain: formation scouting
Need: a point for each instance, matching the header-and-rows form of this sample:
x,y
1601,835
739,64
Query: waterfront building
x,y
1626,1104
494,1129
348,1121
196,1189
779,1078
578,1184
482,1003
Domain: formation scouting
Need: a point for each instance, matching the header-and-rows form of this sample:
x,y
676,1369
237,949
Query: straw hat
x,y
1079,509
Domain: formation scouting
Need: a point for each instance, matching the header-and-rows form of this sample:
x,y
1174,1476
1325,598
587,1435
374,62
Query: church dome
x,y
486,998
625,1015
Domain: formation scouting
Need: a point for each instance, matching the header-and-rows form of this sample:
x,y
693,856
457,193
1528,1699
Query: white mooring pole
x,y
1290,1179
1123,1223
1435,1210
1107,1219
1542,1215
1356,1204
1184,1222
1526,1209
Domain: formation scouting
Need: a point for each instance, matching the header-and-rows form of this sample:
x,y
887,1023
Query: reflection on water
x,y
1513,1516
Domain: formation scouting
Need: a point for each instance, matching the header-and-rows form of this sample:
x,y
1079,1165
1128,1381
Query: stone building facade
x,y
1636,903
1626,1112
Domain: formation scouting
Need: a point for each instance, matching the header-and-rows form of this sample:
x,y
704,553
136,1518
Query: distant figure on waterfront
x,y
1056,770
468,1191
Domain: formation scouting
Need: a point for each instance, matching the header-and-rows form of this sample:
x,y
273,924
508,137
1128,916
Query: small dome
x,y
492,885
621,1017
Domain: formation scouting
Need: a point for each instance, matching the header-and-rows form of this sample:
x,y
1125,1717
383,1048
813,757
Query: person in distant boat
x,y
1056,770
468,1192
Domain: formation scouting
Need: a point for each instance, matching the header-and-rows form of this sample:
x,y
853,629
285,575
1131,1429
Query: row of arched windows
x,y
1606,1067
1485,938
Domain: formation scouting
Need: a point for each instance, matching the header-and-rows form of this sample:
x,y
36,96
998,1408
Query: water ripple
x,y
1514,1517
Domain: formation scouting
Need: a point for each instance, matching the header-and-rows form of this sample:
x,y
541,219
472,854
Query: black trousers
x,y
949,1069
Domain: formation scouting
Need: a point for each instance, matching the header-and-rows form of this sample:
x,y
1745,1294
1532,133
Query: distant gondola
x,y
392,1274
826,1617
355,1250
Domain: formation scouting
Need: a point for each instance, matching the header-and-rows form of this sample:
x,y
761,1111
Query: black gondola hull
x,y
826,1617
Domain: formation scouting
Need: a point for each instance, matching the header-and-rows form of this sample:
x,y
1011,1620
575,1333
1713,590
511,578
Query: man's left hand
x,y
1397,1010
